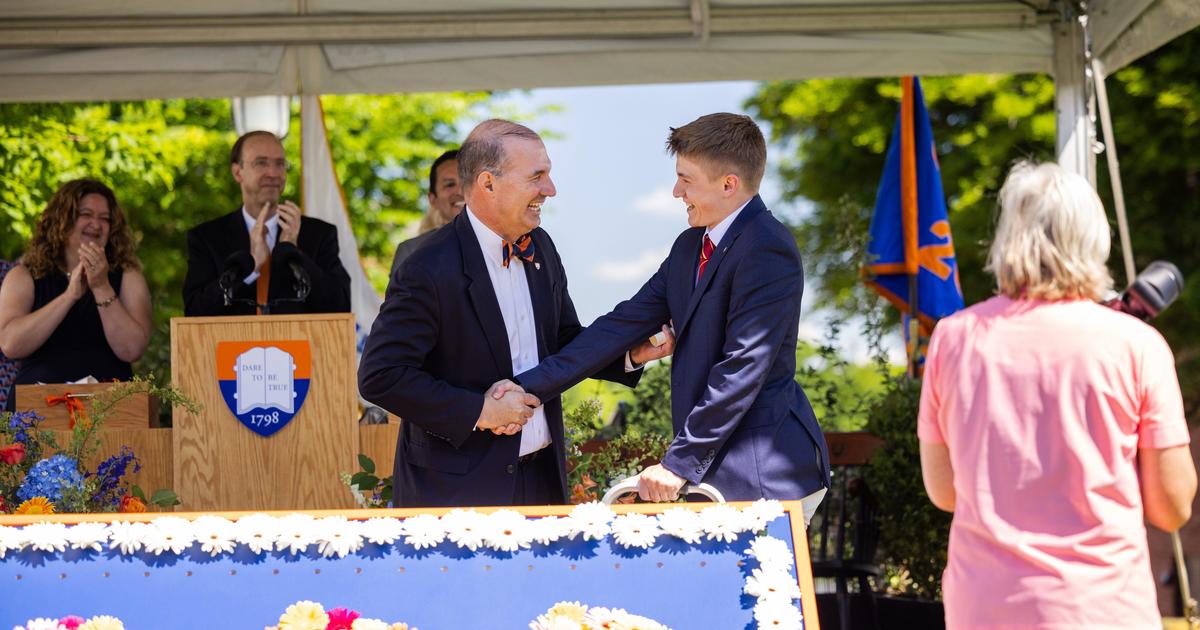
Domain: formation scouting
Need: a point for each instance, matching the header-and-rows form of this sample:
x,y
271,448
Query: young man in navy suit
x,y
484,297
732,286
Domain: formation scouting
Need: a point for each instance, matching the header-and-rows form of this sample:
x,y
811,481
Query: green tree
x,y
983,123
168,163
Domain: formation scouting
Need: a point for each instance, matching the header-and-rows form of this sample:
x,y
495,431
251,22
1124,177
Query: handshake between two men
x,y
507,406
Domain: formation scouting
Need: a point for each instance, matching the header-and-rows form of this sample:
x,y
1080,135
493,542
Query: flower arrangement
x,y
772,582
369,490
595,464
307,615
576,616
71,622
38,476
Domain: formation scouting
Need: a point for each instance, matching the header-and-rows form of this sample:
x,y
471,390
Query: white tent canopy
x,y
65,50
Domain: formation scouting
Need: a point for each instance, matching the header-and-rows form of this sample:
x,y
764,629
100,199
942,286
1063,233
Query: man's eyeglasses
x,y
262,164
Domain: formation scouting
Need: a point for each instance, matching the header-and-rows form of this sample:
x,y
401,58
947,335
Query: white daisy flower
x,y
337,536
296,532
591,520
772,554
88,536
555,623
682,524
41,623
723,523
771,585
635,530
465,528
256,531
11,539
424,530
599,617
762,512
215,534
46,537
126,537
507,530
381,531
624,619
362,623
778,614
168,533
548,529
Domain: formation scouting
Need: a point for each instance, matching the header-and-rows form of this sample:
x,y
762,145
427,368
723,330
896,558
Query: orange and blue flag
x,y
910,247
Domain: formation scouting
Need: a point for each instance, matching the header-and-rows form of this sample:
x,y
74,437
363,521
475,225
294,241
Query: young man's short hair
x,y
724,143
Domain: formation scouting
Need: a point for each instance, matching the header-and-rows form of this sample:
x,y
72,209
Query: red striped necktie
x,y
705,253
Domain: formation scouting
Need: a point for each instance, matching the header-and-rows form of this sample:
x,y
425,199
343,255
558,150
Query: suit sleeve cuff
x,y
629,366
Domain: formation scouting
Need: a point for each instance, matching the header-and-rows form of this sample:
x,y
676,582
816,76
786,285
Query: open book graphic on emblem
x,y
265,379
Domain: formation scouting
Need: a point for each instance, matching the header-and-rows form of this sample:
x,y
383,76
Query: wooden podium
x,y
220,463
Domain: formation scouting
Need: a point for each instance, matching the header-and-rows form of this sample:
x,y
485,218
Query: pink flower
x,y
71,622
341,619
13,453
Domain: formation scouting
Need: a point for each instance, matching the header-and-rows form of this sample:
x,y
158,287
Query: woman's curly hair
x,y
46,252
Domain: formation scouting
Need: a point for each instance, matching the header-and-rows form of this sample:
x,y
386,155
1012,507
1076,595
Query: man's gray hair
x,y
483,150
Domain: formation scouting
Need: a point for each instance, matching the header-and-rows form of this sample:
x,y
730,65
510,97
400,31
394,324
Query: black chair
x,y
844,537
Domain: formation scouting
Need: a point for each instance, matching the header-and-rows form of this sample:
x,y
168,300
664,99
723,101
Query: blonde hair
x,y
1053,238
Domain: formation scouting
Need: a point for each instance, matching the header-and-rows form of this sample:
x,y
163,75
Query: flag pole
x,y
909,214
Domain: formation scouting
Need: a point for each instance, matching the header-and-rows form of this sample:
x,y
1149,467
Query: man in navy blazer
x,y
483,297
261,242
732,286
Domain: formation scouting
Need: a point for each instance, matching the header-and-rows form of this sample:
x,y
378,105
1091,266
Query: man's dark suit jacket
x,y
741,421
215,245
438,344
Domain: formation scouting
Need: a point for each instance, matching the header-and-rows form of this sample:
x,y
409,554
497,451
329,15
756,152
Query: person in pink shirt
x,y
1052,427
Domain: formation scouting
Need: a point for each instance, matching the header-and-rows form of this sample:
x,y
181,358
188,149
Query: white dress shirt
x,y
272,234
516,307
718,231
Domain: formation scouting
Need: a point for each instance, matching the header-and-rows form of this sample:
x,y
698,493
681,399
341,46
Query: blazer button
x,y
510,469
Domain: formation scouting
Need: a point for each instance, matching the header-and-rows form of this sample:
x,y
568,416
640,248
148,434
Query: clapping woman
x,y
78,304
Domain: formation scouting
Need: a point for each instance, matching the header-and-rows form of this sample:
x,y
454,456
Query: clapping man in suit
x,y
259,247
732,286
484,297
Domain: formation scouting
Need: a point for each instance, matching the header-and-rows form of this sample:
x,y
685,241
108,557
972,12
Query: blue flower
x,y
109,474
21,422
49,477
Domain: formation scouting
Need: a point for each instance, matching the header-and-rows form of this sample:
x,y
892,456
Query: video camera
x,y
1151,292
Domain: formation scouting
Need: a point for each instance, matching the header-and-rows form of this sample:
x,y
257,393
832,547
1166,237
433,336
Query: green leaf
x,y
164,497
367,464
137,492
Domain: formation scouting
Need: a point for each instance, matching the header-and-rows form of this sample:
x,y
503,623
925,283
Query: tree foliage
x,y
836,134
168,162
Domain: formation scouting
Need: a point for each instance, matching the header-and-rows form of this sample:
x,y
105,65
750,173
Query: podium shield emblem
x,y
264,383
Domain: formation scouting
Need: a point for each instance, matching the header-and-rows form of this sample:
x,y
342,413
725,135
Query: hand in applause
x,y
289,222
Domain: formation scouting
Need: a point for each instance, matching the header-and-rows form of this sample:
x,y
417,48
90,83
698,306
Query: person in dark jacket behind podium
x,y
262,253
77,305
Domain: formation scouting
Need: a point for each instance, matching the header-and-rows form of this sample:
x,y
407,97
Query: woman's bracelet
x,y
110,300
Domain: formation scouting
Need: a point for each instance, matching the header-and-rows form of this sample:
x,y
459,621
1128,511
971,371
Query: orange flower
x,y
132,504
36,505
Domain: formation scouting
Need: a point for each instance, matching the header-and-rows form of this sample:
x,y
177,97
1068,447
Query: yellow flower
x,y
569,610
304,615
36,505
102,622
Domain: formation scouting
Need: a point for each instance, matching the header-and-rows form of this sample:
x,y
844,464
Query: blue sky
x,y
614,218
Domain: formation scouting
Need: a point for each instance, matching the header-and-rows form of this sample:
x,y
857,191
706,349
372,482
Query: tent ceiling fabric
x,y
63,50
